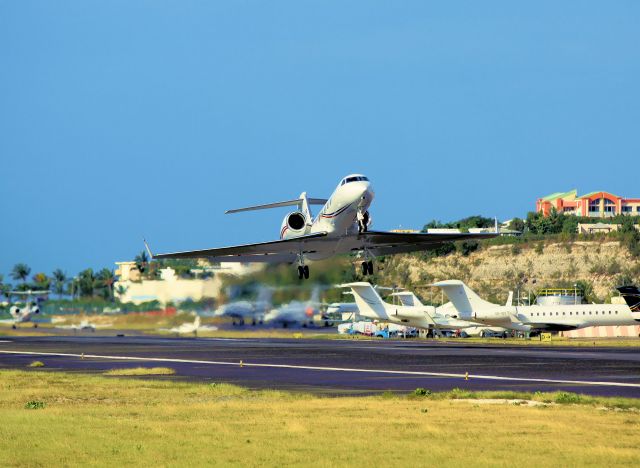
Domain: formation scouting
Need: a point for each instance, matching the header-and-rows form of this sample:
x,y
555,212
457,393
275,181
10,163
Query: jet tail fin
x,y
408,298
510,299
462,297
369,302
631,295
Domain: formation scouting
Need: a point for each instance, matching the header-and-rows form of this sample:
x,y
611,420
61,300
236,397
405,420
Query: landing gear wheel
x,y
370,267
14,327
300,272
365,269
305,271
35,325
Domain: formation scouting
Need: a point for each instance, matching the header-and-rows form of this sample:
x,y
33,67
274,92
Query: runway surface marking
x,y
5,341
335,369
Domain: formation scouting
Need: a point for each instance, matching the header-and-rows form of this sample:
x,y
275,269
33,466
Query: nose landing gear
x,y
363,221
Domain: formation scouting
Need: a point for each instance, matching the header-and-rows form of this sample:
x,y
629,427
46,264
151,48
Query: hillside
x,y
495,269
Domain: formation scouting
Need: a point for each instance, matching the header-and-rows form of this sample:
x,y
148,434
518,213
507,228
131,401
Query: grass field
x,y
55,419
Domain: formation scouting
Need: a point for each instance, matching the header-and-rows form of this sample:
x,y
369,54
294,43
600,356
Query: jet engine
x,y
293,225
15,311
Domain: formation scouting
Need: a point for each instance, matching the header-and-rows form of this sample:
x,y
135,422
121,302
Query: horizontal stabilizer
x,y
294,202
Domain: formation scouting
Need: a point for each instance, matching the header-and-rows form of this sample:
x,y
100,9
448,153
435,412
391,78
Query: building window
x,y
609,206
627,209
594,206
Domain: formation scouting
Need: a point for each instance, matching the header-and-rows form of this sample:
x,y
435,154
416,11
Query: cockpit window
x,y
353,179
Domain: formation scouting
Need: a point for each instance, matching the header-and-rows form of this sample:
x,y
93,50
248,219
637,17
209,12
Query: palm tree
x,y
121,290
41,281
20,272
141,261
5,288
86,282
59,281
105,279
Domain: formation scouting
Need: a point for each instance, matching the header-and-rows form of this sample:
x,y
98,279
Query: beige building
x,y
130,287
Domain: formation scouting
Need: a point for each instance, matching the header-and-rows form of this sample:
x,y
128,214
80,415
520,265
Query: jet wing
x,y
285,250
385,243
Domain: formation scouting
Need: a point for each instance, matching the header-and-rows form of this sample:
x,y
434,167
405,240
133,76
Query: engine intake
x,y
296,221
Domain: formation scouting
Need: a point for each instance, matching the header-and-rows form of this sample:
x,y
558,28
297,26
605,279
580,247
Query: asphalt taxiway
x,y
342,366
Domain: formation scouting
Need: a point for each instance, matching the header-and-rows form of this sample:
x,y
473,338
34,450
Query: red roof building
x,y
594,204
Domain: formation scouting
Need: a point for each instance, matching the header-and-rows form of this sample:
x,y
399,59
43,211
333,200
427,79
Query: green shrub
x,y
422,391
33,404
566,398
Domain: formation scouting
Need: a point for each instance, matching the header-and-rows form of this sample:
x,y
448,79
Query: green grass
x,y
97,421
140,371
37,364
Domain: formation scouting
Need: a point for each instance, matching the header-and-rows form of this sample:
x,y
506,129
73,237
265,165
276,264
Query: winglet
x,y
146,246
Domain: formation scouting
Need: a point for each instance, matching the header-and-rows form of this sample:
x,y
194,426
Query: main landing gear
x,y
303,271
367,268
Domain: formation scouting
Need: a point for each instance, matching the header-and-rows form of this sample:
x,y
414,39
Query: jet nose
x,y
361,191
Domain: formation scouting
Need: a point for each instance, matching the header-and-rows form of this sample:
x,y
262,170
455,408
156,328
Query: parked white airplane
x,y
371,305
541,318
250,311
296,312
31,307
188,328
341,227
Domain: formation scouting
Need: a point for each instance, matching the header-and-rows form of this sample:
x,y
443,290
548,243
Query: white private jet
x,y
542,318
296,312
371,305
341,227
190,328
249,311
23,314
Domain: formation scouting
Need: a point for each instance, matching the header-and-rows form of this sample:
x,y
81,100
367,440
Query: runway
x,y
342,367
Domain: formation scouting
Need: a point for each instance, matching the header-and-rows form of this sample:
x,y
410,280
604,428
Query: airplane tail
x,y
408,298
265,294
510,299
462,297
367,299
315,295
631,295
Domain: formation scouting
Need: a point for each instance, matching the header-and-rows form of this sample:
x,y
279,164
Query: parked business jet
x,y
371,305
542,318
341,227
247,311
296,312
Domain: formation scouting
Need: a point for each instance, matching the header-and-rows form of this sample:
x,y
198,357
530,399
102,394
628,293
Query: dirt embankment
x,y
494,270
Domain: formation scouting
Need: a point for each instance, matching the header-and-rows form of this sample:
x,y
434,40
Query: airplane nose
x,y
365,192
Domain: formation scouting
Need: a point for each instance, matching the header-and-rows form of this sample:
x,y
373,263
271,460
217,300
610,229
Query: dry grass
x,y
92,420
140,371
556,341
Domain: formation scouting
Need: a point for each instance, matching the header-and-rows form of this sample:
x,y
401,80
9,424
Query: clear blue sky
x,y
120,119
